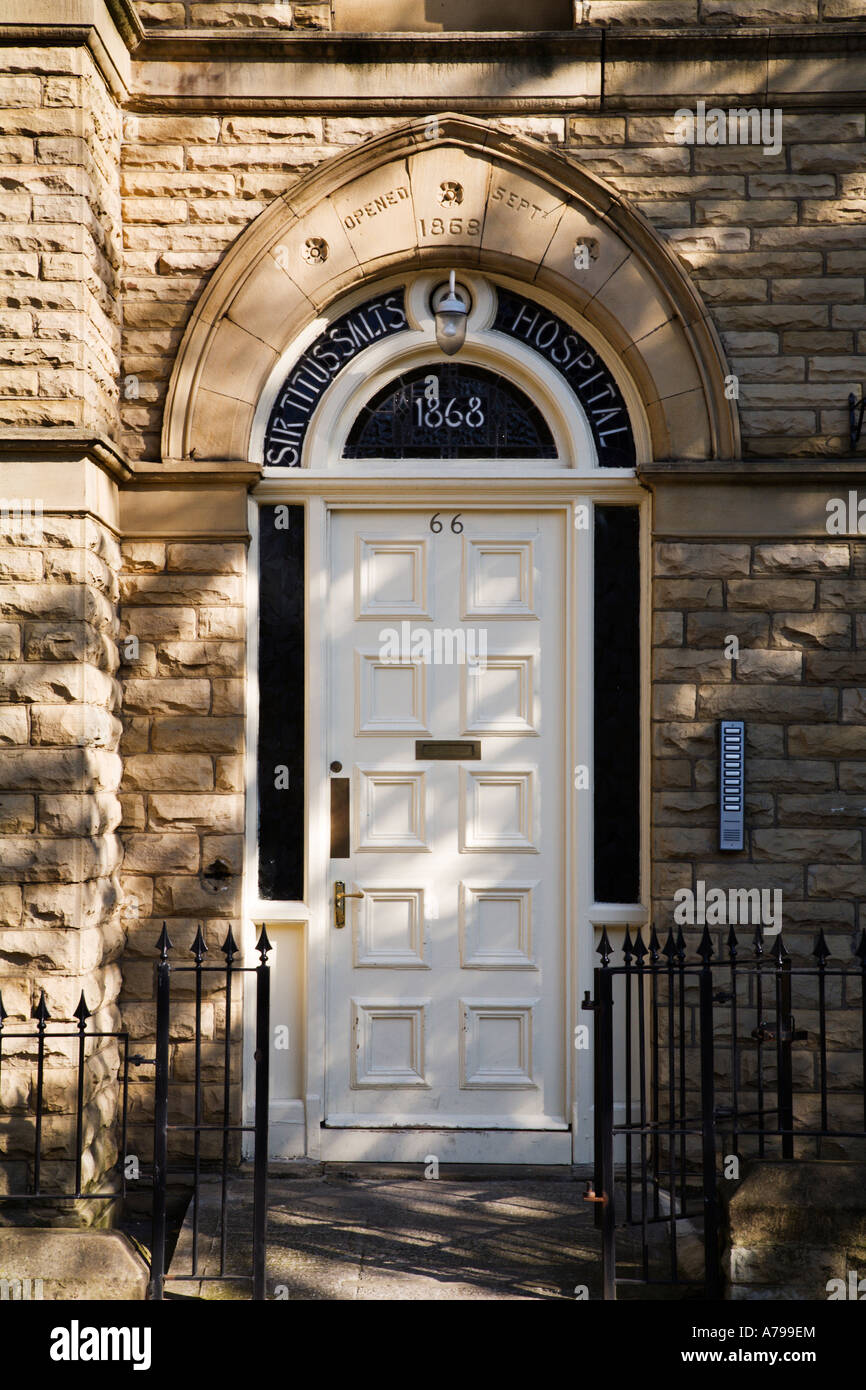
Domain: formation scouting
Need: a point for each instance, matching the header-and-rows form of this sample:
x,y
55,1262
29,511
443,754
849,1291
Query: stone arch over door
x,y
450,191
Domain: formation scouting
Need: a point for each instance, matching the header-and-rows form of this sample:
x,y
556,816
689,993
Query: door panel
x,y
446,1003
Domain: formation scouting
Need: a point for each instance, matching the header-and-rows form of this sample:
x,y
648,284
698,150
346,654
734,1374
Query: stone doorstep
x,y
381,1231
73,1265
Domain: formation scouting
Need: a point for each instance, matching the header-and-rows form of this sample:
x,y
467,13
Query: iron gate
x,y
224,1131
695,1064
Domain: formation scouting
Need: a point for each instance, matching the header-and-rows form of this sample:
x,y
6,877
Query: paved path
x,y
337,1234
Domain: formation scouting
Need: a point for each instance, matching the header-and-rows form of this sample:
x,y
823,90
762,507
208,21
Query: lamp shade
x,y
451,314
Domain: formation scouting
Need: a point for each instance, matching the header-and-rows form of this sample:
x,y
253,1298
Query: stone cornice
x,y
62,442
589,68
715,43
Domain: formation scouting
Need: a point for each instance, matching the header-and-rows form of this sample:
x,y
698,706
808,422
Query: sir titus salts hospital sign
x,y
580,367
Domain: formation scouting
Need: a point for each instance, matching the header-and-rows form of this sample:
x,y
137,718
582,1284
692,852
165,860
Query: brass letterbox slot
x,y
447,750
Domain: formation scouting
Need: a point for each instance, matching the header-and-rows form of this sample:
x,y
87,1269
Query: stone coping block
x,y
72,1265
793,1228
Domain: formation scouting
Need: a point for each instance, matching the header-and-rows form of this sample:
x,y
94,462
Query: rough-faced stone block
x,y
168,696
229,557
157,590
175,896
713,629
233,14
798,846
176,811
143,556
85,726
228,696
168,772
772,593
197,735
13,725
758,666
681,558
674,701
17,814
162,853
687,594
774,701
678,664
811,630
159,622
84,813
200,658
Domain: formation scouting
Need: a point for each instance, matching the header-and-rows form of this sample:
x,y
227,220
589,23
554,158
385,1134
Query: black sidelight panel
x,y
617,705
281,703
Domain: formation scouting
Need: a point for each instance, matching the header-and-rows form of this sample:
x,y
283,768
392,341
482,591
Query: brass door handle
x,y
340,896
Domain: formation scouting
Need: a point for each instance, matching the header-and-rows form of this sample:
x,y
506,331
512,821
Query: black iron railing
x,y
695,1071
67,1150
35,1168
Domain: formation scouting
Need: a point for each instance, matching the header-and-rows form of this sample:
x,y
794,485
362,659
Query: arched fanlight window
x,y
452,410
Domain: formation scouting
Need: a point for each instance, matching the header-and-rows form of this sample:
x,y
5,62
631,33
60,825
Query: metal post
x,y
160,1119
597,1124
712,1270
784,1061
260,1174
604,1103
42,1017
82,1013
198,948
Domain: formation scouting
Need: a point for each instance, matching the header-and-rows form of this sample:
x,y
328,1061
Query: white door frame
x,y
318,492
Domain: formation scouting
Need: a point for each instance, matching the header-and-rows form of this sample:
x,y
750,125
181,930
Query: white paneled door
x,y
446,985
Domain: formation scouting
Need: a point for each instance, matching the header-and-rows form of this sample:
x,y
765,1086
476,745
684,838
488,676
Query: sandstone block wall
x,y
183,643
796,609
60,923
60,919
60,243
